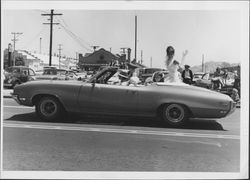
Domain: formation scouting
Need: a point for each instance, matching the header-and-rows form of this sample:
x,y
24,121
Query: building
x,y
93,61
36,61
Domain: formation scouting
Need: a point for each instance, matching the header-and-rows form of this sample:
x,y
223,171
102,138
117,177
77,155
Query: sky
x,y
214,33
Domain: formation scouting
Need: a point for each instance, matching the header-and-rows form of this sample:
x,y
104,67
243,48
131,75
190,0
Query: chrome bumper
x,y
7,84
15,97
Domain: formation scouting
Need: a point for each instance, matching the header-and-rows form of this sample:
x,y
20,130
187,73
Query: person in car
x,y
157,77
235,95
173,65
134,79
217,80
187,75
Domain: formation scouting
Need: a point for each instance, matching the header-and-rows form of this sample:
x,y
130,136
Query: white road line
x,y
106,130
19,107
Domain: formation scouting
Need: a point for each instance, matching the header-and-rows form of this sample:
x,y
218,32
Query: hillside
x,y
211,66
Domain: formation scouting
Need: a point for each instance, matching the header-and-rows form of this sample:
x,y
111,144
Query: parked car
x,y
174,103
197,75
208,81
16,75
205,81
57,74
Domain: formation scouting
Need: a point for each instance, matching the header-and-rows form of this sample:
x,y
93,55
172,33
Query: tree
x,y
19,61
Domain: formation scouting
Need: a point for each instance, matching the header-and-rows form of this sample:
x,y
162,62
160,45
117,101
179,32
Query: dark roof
x,y
102,49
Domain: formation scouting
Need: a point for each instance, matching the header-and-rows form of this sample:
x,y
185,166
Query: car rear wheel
x,y
49,109
175,115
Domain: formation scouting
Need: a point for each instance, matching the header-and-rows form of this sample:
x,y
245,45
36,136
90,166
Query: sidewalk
x,y
6,93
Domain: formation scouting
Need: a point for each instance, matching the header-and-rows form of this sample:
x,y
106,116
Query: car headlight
x,y
9,80
224,104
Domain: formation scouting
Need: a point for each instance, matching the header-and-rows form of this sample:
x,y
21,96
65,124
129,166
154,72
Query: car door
x,y
205,81
31,75
106,98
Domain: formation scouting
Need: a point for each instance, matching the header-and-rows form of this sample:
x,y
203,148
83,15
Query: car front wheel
x,y
174,115
49,109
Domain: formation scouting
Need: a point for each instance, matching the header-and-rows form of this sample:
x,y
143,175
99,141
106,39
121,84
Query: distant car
x,y
81,75
57,74
206,80
175,103
144,73
197,75
16,75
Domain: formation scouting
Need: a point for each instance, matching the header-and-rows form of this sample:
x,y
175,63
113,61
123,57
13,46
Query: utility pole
x,y
60,48
135,36
40,47
202,65
94,47
129,55
14,44
141,56
51,31
77,57
123,50
151,61
10,50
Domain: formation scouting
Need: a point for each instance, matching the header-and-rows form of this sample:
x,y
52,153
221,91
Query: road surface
x,y
117,143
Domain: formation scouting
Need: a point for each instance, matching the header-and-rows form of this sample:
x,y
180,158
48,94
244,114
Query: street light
x,y
10,50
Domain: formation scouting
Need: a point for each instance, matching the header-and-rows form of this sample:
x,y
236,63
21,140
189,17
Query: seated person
x,y
235,95
157,77
217,80
134,80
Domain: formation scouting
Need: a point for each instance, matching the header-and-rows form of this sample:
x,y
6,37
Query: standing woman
x,y
173,65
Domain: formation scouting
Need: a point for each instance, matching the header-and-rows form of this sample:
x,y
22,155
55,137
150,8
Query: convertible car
x,y
173,103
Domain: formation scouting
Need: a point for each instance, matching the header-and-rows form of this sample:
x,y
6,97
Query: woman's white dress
x,y
174,75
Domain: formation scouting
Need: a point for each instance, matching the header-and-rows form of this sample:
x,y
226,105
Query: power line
x,y
33,39
72,35
67,27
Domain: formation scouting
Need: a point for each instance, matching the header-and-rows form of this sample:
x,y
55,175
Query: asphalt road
x,y
117,143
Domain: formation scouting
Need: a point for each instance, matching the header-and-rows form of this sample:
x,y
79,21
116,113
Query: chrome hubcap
x,y
174,113
48,108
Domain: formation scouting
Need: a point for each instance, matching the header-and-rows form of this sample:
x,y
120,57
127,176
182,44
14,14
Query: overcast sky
x,y
214,33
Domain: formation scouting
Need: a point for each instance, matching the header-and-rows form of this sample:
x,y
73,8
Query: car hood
x,y
182,88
